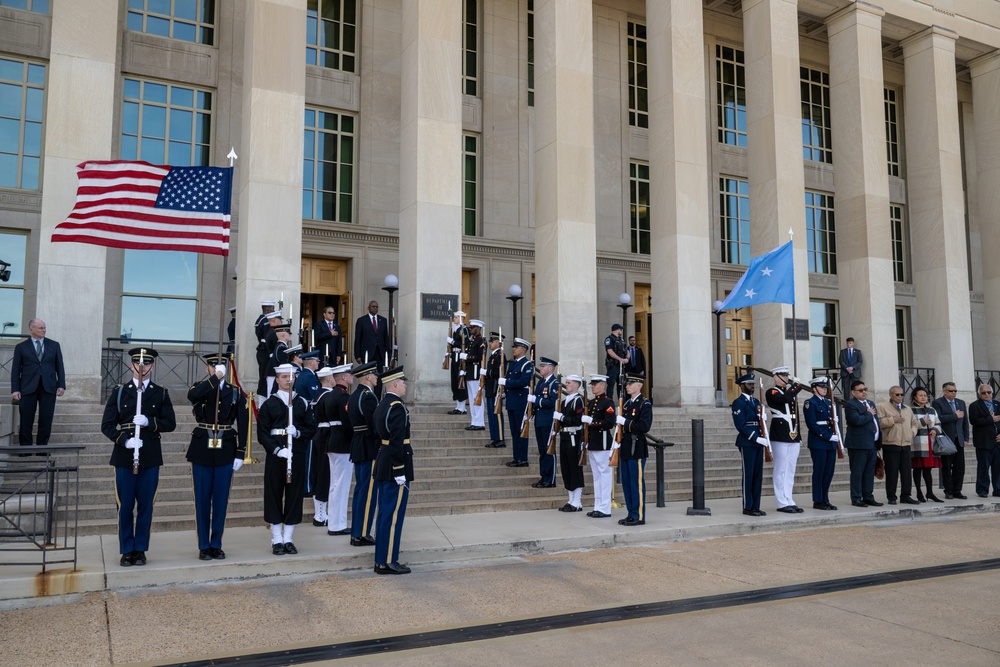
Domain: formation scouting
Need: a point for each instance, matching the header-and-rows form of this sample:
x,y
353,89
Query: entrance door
x,y
739,346
324,285
641,329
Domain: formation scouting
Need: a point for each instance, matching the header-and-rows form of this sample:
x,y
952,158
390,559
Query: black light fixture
x,y
514,292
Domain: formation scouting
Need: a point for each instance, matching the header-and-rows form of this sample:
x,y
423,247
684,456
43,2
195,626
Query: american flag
x,y
143,206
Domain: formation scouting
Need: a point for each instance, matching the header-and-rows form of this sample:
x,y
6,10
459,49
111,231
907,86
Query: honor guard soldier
x,y
339,450
261,328
474,351
570,418
635,421
496,361
218,447
822,441
600,421
274,325
322,411
515,383
307,386
284,425
751,442
364,447
457,341
282,337
614,357
231,331
785,437
393,471
135,415
544,399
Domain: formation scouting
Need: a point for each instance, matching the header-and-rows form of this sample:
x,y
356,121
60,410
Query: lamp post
x,y
719,355
624,302
391,284
514,292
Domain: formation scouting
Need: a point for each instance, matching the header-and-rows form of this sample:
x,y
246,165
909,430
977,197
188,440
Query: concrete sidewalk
x,y
459,538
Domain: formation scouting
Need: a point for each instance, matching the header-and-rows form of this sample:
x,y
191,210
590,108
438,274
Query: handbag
x,y
879,468
943,446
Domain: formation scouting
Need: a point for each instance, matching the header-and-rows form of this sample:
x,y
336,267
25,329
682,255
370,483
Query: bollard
x,y
661,484
698,469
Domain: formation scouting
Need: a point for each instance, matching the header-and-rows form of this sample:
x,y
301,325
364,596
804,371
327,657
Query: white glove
x,y
220,371
460,373
133,443
557,416
532,398
463,356
292,431
141,420
401,480
617,445
237,464
620,420
451,341
834,438
795,380
762,441
587,419
502,382
284,453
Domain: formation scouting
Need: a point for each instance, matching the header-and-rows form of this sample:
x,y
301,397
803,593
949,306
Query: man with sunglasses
x,y
327,337
955,422
986,438
860,440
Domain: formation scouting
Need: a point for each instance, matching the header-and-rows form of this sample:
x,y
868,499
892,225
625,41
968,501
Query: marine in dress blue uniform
x,y
751,443
544,400
496,361
136,480
393,471
570,418
515,383
217,449
822,441
635,421
364,447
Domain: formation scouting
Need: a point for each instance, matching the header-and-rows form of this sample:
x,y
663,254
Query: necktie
x,y
330,325
952,403
38,349
374,324
631,356
850,356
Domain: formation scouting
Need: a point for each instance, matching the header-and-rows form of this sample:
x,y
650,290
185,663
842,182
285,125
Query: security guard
x,y
751,443
393,471
614,357
457,341
600,423
822,441
135,415
635,421
339,451
570,418
515,383
786,440
364,446
474,351
218,447
495,363
544,399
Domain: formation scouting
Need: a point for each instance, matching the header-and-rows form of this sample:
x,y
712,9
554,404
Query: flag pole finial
x,y
232,155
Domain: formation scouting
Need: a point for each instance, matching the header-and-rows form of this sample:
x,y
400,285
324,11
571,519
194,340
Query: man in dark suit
x,y
986,438
862,434
851,362
36,378
636,364
327,337
955,423
371,337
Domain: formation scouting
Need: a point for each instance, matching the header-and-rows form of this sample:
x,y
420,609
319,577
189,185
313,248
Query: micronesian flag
x,y
770,278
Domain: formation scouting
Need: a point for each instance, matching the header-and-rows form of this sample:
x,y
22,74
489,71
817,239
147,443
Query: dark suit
x,y
862,431
637,361
369,344
847,358
953,465
37,380
329,343
984,434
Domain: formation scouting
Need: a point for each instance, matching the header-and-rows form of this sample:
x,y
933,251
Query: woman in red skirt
x,y
922,453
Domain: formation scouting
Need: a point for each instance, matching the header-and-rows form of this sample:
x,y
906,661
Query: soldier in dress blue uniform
x,y
364,447
822,441
635,421
393,471
544,400
496,361
570,418
515,383
218,447
231,331
751,443
600,422
136,455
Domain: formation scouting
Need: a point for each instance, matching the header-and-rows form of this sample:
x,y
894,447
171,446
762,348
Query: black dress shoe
x,y
831,507
788,509
382,569
859,503
362,541
983,495
960,496
621,522
631,521
317,522
749,512
873,503
498,444
290,548
456,412
475,428
344,531
598,515
821,506
798,510
218,554
516,464
278,549
909,501
398,569
139,557
542,485
205,554
949,496
893,502
127,559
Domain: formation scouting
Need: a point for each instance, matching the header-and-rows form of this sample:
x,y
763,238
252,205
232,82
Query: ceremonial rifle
x,y
762,418
288,436
498,401
836,422
613,462
586,427
554,431
528,411
138,411
448,346
461,350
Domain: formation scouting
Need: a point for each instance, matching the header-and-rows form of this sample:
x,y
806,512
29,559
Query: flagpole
x,y
795,322
225,270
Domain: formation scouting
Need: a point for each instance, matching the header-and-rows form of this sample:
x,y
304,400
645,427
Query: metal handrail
x,y
178,366
915,377
990,377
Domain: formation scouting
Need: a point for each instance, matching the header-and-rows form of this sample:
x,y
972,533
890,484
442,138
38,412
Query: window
x,y
166,124
470,191
159,295
902,336
331,34
891,132
22,105
730,75
37,6
816,137
734,210
638,173
189,20
328,169
821,237
13,250
899,244
470,47
531,53
823,333
638,88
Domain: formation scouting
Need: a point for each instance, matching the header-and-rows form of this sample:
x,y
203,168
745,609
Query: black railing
x,y
175,368
913,377
990,377
39,504
834,375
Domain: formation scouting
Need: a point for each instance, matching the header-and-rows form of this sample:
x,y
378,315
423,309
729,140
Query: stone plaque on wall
x,y
438,306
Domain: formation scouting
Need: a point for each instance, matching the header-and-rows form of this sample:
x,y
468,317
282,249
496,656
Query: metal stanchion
x,y
698,469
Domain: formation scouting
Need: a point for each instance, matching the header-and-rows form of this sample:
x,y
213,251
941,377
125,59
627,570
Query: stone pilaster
x,y
936,206
430,207
81,96
864,251
680,252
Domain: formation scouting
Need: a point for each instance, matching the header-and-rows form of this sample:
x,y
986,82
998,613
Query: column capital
x,y
929,36
856,13
985,64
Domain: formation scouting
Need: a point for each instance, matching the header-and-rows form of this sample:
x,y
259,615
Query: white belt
x,y
822,423
328,424
571,429
278,431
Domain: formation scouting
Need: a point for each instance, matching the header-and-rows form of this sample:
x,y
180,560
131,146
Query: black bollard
x,y
661,484
698,469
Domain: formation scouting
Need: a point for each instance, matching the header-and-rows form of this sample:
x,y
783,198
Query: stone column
x,y
565,213
986,106
680,249
942,328
864,250
777,185
269,169
430,206
82,68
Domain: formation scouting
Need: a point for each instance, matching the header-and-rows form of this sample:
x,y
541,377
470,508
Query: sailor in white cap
x,y
339,452
474,351
457,342
785,437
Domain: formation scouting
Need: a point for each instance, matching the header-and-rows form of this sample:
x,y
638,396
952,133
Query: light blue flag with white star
x,y
770,278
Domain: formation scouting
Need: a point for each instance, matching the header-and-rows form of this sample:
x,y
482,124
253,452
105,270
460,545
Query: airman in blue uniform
x,y
822,441
751,443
